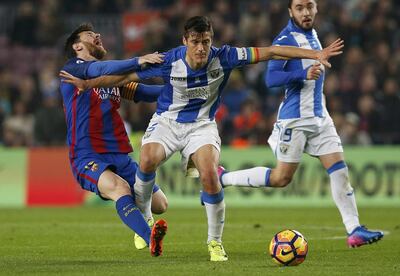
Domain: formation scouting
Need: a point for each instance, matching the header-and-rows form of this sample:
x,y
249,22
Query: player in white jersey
x,y
194,76
304,125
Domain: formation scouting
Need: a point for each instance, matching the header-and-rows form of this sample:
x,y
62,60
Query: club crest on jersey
x,y
92,166
283,148
214,73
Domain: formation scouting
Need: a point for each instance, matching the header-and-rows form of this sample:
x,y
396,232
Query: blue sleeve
x,y
234,57
112,67
276,74
77,68
147,93
151,71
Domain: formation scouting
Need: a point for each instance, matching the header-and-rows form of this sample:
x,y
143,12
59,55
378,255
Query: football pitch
x,y
92,240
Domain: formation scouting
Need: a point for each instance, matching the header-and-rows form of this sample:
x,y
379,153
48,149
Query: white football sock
x,y
143,192
216,220
254,177
343,195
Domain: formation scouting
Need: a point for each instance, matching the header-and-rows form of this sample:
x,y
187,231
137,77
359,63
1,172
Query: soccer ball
x,y
288,247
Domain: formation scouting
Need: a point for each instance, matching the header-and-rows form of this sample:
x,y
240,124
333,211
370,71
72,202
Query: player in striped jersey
x,y
304,125
98,142
194,76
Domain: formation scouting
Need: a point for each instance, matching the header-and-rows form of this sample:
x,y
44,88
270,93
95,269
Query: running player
x,y
304,125
98,142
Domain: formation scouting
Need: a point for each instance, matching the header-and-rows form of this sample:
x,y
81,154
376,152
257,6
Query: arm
x,y
102,81
116,67
290,52
138,92
112,67
276,75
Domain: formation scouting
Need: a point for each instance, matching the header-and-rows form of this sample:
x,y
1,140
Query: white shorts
x,y
315,136
184,137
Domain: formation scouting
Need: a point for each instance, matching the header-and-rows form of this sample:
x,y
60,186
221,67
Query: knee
x,y
281,180
115,189
209,179
160,206
148,163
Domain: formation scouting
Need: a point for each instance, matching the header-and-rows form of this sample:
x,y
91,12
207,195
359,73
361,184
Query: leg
x,y
257,177
287,142
282,175
343,195
159,205
111,186
151,155
159,202
342,192
206,160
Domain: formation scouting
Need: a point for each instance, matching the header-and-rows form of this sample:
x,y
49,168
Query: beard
x,y
305,26
95,51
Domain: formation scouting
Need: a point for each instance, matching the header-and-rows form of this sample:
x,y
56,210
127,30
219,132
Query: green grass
x,y
82,241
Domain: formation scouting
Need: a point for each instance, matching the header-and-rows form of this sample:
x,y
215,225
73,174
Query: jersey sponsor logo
x,y
242,53
303,44
197,93
178,78
92,166
111,93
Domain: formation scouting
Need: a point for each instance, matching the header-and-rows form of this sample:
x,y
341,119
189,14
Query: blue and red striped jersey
x,y
93,121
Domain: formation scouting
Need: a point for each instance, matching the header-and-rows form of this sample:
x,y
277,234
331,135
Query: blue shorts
x,y
88,168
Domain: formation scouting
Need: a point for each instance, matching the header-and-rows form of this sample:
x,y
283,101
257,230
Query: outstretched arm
x,y
103,81
290,52
116,67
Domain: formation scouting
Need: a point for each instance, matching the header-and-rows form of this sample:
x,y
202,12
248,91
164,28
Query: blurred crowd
x,y
362,89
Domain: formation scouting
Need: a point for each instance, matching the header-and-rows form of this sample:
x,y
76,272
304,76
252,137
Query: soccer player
x,y
98,142
304,125
194,76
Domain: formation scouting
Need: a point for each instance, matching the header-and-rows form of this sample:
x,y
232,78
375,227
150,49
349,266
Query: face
x,y
303,13
91,41
198,47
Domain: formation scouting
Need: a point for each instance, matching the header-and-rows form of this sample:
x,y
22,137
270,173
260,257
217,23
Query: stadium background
x,y
362,90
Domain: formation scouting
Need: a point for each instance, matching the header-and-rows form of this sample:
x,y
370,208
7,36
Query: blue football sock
x,y
131,216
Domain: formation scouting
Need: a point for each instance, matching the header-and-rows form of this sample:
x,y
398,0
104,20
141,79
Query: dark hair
x,y
290,3
74,37
198,24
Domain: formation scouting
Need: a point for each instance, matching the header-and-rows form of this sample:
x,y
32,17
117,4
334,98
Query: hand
x,y
151,58
314,71
332,50
79,83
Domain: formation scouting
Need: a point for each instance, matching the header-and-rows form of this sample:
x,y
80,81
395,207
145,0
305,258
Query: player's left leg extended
x,y
343,195
206,160
112,186
159,205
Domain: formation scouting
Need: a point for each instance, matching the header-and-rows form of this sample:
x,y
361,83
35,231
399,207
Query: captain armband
x,y
128,90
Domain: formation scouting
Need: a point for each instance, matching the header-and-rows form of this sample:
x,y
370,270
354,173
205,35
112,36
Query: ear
x,y
290,13
184,41
77,46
